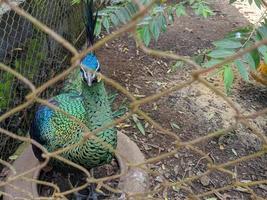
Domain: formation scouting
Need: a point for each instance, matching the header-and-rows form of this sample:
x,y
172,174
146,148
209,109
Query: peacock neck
x,y
97,105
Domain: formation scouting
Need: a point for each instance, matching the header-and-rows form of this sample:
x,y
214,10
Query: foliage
x,y
5,88
154,23
28,62
234,42
34,48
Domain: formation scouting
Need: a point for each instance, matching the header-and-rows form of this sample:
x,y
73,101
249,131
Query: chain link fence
x,y
34,54
33,59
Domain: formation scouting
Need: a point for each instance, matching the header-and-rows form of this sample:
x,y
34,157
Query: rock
x,y
205,180
159,179
176,170
264,187
167,175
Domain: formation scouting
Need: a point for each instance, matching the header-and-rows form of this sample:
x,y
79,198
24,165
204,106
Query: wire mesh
x,y
34,54
36,81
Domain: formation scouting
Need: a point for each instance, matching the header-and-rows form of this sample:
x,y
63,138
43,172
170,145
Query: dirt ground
x,y
193,111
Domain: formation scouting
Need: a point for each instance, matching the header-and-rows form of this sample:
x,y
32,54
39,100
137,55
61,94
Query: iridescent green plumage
x,y
91,108
86,99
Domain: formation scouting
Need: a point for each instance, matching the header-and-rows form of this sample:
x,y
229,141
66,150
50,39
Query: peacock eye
x,y
83,74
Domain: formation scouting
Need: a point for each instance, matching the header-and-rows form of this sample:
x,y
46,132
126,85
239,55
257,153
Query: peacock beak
x,y
88,76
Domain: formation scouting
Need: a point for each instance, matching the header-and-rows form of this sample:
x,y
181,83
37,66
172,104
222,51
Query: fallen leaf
x,y
174,126
175,188
205,180
14,157
241,189
123,125
139,95
159,179
234,152
138,124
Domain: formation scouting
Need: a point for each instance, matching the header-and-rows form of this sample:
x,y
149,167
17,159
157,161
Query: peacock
x,y
85,98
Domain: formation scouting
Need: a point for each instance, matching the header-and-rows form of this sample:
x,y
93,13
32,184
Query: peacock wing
x,y
54,129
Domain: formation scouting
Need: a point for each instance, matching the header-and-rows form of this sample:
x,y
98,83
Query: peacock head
x,y
90,64
89,67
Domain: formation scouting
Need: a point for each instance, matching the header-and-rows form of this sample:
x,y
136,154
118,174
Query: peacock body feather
x,y
55,130
85,98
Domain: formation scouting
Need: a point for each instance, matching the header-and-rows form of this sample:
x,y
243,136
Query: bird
x,y
85,98
260,75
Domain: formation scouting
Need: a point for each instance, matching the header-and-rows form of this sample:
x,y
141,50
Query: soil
x,y
193,111
67,180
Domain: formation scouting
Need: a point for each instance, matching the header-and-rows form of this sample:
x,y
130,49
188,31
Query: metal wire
x,y
26,77
33,54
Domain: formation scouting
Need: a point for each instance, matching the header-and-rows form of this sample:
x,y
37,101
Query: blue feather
x,y
90,61
41,122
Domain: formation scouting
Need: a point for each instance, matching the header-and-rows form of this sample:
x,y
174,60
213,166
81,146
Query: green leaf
x,y
106,24
98,27
232,1
217,72
263,31
256,57
174,126
132,8
155,29
199,58
241,33
75,2
258,3
221,53
191,2
242,69
121,16
13,157
163,23
177,65
202,9
138,124
250,61
257,37
140,33
126,14
146,36
228,77
265,57
263,51
171,18
159,22
120,112
212,62
227,44
180,10
114,19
